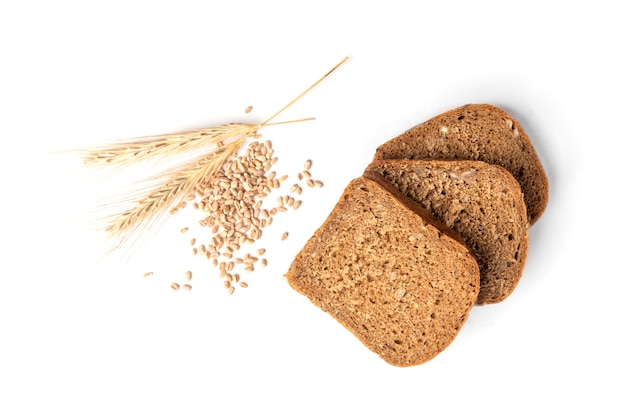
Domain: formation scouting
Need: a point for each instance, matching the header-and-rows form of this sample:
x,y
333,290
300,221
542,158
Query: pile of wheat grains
x,y
235,211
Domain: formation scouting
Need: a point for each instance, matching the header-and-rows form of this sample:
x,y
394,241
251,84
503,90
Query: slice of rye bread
x,y
383,267
477,132
480,201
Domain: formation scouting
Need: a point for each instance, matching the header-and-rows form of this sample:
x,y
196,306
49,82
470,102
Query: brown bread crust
x,y
393,278
480,201
477,132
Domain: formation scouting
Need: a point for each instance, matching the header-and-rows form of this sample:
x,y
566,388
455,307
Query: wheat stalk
x,y
202,153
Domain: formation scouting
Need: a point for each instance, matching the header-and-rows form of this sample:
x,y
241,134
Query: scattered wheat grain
x,y
232,206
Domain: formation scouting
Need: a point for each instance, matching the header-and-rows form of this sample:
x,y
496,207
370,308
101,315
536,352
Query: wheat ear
x,y
202,153
149,207
156,148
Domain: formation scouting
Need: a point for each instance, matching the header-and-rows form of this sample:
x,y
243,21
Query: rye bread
x,y
477,132
384,268
480,201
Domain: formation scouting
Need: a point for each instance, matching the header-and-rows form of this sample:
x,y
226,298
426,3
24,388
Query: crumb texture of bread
x,y
481,202
477,132
399,283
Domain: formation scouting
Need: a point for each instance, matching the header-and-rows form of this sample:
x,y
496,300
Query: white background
x,y
85,339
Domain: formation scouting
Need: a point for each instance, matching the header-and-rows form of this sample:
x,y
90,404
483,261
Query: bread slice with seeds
x,y
477,132
480,201
384,268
